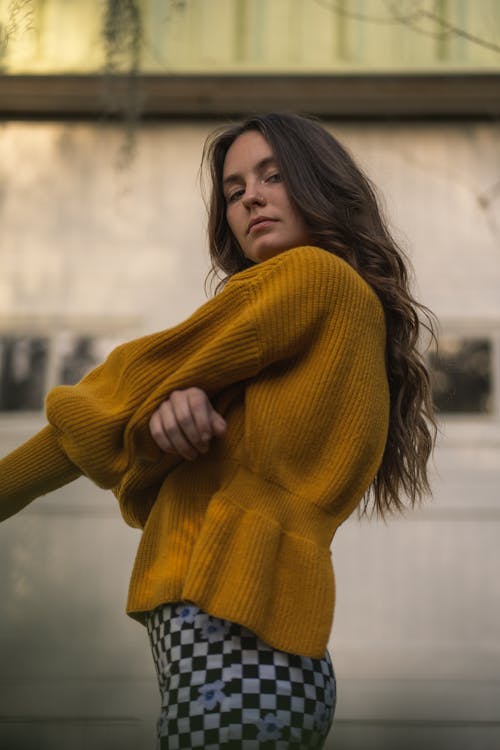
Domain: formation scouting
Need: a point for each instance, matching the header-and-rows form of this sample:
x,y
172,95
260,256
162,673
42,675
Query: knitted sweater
x,y
292,353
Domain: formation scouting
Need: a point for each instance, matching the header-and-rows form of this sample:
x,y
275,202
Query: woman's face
x,y
258,209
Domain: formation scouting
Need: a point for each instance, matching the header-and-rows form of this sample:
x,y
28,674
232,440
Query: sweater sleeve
x,y
35,468
99,427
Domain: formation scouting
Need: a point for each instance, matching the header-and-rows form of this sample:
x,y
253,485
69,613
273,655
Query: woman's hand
x,y
185,423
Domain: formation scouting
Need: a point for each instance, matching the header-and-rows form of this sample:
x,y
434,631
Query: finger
x,y
219,424
209,422
158,435
189,410
172,427
201,412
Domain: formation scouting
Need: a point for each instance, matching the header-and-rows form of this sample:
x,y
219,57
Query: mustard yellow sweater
x,y
292,353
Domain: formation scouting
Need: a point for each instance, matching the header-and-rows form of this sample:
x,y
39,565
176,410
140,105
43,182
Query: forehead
x,y
246,152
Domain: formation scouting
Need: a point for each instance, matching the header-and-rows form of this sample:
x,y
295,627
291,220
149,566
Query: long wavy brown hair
x,y
340,208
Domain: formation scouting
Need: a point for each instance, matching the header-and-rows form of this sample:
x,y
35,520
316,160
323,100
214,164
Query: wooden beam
x,y
198,96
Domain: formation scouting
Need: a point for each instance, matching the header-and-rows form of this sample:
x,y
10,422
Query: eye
x,y
275,177
234,196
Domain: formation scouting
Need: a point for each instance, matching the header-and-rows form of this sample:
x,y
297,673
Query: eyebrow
x,y
262,164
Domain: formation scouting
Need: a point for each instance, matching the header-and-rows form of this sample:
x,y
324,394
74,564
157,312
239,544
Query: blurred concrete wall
x,y
84,245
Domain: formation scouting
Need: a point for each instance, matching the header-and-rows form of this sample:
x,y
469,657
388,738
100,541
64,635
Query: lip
x,y
259,220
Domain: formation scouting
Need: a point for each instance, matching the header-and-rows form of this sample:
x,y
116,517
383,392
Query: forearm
x,y
35,468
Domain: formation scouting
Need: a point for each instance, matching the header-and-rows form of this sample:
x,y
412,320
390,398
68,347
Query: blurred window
x,y
23,364
462,375
76,356
31,365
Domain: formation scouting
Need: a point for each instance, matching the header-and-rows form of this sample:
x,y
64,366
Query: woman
x,y
305,370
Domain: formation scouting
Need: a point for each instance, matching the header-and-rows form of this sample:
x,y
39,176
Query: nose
x,y
253,196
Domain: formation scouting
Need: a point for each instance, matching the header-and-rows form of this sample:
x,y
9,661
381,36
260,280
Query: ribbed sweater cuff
x,y
35,468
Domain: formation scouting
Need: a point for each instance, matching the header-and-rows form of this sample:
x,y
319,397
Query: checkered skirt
x,y
222,687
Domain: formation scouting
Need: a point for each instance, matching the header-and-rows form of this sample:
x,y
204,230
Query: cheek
x,y
302,235
235,229
297,221
232,221
294,216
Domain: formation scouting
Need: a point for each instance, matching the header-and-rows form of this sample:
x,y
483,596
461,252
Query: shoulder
x,y
305,261
312,270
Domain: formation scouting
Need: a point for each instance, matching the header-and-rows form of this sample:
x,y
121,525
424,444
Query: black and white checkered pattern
x,y
222,687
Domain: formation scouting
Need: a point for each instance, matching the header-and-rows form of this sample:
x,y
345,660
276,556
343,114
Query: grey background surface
x,y
86,247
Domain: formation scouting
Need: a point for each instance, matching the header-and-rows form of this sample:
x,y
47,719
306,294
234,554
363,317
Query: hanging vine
x,y
122,34
19,20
